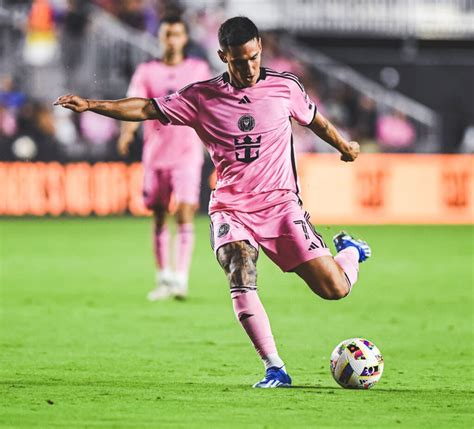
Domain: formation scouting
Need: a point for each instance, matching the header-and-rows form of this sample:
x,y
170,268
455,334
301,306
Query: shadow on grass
x,y
398,390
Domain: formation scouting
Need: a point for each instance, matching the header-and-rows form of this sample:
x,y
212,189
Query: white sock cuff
x,y
181,278
273,360
166,274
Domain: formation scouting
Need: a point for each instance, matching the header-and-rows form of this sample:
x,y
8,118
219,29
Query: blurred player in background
x,y
172,158
243,118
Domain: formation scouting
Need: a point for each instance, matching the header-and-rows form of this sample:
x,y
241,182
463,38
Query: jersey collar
x,y
262,76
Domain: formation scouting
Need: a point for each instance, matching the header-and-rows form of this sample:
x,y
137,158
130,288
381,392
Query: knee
x,y
185,213
239,263
332,289
337,293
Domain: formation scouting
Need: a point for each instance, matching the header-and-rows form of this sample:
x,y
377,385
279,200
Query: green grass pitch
x,y
81,347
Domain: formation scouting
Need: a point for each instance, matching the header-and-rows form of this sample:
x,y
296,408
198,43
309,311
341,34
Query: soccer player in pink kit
x,y
243,118
172,158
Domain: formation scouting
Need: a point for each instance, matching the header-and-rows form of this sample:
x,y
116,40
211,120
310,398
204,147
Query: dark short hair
x,y
174,19
237,31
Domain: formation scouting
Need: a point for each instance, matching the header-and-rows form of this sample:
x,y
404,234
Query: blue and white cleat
x,y
343,240
274,377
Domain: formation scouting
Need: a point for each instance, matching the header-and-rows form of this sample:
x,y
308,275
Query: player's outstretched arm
x,y
126,109
323,128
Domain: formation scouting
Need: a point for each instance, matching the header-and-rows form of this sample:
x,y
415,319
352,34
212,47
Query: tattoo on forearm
x,y
239,261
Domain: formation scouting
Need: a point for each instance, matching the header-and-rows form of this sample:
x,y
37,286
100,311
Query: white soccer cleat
x,y
180,286
164,288
160,293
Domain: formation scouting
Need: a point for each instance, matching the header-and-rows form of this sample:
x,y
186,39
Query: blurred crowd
x,y
30,129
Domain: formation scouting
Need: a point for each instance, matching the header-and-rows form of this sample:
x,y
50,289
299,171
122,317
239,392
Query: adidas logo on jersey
x,y
313,246
244,100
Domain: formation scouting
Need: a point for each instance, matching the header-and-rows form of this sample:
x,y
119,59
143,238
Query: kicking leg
x,y
239,261
325,277
333,278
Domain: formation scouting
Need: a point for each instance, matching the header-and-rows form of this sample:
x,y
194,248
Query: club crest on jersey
x,y
247,150
223,230
246,123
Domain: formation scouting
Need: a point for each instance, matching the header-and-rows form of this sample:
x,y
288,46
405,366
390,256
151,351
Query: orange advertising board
x,y
78,189
379,189
376,189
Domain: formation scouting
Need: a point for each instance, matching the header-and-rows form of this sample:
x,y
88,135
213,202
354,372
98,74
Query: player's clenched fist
x,y
72,102
351,152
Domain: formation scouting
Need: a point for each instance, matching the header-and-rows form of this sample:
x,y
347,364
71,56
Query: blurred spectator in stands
x,y
72,38
304,139
8,128
341,104
203,27
365,123
395,133
35,137
8,124
109,5
10,97
132,13
467,143
65,128
274,58
97,129
11,100
41,42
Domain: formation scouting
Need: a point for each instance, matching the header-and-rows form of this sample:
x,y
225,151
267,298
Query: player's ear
x,y
222,56
259,43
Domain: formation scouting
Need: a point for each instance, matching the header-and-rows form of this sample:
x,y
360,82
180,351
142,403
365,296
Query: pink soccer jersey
x,y
172,146
247,132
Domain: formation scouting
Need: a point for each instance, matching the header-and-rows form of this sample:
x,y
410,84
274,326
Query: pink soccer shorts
x,y
184,182
283,231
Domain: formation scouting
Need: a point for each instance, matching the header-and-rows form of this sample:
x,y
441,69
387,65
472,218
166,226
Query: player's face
x,y
173,37
243,62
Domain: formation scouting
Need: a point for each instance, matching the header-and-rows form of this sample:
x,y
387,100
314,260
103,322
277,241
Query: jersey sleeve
x,y
301,107
180,108
138,86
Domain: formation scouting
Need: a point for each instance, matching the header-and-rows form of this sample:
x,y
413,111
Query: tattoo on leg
x,y
239,261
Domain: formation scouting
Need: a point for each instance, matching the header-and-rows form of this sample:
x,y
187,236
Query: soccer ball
x,y
356,364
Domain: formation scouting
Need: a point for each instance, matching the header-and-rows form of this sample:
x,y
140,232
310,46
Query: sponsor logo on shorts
x,y
223,230
246,123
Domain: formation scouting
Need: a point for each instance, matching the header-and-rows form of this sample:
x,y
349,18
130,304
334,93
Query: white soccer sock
x,y
165,277
273,360
181,279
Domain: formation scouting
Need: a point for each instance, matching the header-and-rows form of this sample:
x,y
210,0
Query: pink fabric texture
x,y
184,247
248,134
161,247
252,316
183,181
172,146
284,232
